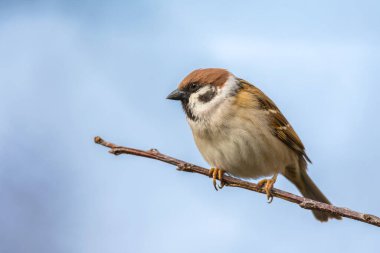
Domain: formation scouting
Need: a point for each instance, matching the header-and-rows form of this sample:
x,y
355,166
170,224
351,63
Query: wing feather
x,y
280,126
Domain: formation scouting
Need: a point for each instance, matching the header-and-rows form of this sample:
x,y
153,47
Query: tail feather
x,y
309,190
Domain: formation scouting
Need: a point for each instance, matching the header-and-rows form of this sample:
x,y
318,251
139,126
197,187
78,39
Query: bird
x,y
241,132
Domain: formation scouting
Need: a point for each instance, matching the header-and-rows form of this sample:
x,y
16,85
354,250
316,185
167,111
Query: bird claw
x,y
267,184
216,173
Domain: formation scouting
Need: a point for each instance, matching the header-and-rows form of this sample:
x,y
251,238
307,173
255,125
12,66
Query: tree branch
x,y
234,182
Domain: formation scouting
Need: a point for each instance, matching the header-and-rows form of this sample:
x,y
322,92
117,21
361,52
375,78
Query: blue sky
x,y
71,70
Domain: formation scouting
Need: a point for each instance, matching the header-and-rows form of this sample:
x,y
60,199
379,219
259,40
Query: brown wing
x,y
280,125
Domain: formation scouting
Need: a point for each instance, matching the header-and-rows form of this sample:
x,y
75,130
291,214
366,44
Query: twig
x,y
234,182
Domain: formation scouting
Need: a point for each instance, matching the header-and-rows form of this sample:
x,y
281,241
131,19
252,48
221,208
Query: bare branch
x,y
234,182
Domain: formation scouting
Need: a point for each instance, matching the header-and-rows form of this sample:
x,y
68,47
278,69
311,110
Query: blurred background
x,y
71,70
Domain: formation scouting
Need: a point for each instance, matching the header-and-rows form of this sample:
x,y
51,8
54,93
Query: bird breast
x,y
239,141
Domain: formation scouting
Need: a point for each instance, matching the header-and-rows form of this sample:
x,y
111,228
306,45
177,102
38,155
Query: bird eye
x,y
193,86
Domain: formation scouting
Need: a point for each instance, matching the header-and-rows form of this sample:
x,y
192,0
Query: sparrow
x,y
241,132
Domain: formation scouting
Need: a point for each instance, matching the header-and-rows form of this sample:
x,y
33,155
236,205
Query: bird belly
x,y
243,150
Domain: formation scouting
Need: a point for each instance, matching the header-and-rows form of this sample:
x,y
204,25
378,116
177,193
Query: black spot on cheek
x,y
207,96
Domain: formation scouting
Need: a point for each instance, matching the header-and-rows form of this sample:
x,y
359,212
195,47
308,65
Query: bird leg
x,y
216,173
268,186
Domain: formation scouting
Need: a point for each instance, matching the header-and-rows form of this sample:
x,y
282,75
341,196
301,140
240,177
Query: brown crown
x,y
213,76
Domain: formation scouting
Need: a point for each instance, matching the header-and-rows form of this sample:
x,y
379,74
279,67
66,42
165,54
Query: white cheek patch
x,y
200,109
203,110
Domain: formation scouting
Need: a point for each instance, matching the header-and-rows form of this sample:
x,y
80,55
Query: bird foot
x,y
267,184
216,173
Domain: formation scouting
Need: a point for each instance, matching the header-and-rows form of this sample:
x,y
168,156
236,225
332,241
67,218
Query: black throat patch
x,y
189,113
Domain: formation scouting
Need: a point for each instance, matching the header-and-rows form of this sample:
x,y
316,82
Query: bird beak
x,y
176,95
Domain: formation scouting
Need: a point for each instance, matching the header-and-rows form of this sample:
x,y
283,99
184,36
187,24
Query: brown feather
x,y
279,124
212,76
